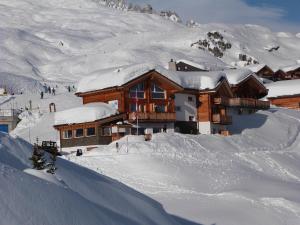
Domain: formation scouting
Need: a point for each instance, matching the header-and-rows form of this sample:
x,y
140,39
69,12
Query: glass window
x,y
160,108
106,131
67,134
138,91
190,98
177,108
133,107
157,92
79,133
91,131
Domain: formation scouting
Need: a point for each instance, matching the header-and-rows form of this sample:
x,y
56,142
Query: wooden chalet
x,y
285,94
263,71
156,100
286,101
287,73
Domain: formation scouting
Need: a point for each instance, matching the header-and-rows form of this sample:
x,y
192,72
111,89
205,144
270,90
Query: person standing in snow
x,y
49,90
42,94
53,91
69,88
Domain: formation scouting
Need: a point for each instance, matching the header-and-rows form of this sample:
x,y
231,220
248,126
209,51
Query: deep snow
x,y
251,178
74,195
206,179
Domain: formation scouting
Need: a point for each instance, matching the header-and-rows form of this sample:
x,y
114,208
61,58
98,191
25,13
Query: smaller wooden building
x,y
88,126
8,120
262,70
285,94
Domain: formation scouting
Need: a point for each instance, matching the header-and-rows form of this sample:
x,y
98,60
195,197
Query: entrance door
x,y
4,128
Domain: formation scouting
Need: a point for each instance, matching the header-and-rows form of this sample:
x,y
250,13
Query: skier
x,y
69,88
42,94
49,90
53,91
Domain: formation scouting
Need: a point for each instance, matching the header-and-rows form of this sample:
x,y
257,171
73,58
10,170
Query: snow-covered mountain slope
x,y
67,40
74,195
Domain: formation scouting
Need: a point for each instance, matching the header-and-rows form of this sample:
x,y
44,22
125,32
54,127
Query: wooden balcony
x,y
152,116
221,119
242,103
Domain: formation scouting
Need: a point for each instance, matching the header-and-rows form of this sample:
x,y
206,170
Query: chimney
x,y
172,65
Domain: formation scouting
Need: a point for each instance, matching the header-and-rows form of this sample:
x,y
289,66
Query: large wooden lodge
x,y
151,99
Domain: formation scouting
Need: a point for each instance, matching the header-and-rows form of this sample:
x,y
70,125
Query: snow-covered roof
x,y
290,68
86,113
283,88
235,76
255,68
194,64
119,76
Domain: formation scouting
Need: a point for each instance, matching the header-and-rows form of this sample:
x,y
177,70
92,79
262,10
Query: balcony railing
x,y
221,119
242,103
152,116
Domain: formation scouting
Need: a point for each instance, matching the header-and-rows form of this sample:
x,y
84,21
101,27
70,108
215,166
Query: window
x,y
190,98
106,131
133,107
191,118
177,108
79,133
91,131
67,134
160,108
138,91
157,92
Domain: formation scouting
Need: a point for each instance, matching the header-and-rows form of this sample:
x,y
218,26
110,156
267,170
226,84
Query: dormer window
x,y
157,92
137,91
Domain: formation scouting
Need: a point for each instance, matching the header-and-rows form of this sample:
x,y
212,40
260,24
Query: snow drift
x,y
74,195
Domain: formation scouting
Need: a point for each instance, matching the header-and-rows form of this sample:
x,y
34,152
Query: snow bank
x,y
122,75
74,195
86,113
282,88
213,179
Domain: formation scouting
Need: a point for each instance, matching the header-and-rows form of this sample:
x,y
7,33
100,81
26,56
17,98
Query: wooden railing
x,y
152,116
221,119
242,103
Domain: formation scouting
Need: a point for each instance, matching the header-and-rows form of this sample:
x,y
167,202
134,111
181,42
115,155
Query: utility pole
x,y
137,116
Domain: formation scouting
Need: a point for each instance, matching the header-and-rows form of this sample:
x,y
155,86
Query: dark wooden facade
x,y
265,72
99,137
249,88
146,104
288,75
184,67
290,102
